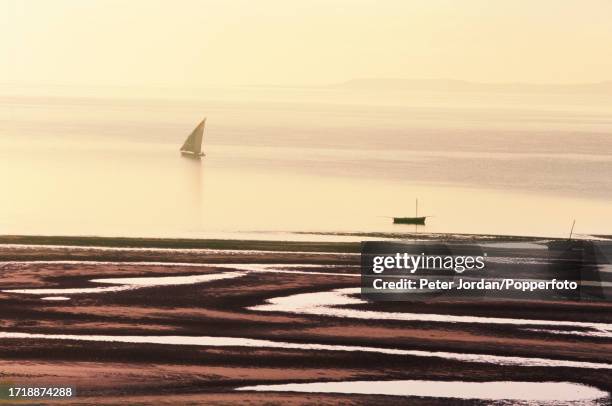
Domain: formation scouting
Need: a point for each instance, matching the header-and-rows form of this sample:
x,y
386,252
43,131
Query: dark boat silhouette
x,y
411,220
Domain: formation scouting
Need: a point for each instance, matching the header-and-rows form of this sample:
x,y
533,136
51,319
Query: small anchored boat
x,y
411,220
192,148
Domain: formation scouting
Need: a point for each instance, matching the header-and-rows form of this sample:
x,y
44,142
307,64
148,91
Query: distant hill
x,y
466,86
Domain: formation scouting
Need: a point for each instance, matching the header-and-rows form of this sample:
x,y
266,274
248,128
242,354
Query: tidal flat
x,y
179,330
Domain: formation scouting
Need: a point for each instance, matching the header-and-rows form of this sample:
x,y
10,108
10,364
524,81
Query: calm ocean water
x,y
302,160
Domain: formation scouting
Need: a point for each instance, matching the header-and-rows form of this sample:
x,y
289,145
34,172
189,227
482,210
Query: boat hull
x,y
192,155
409,220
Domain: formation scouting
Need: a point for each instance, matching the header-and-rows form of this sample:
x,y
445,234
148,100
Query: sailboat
x,y
192,148
411,220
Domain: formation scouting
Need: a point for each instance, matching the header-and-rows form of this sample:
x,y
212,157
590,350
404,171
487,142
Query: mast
x,y
416,210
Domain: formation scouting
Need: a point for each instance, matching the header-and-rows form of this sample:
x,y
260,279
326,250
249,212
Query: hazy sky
x,y
219,42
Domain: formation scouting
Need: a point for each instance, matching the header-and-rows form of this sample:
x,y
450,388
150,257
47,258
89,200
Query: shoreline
x,y
252,244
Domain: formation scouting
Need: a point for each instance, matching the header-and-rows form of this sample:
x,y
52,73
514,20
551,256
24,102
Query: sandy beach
x,y
160,325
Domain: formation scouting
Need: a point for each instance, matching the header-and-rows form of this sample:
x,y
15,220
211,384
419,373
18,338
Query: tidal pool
x,y
141,282
494,390
210,341
327,304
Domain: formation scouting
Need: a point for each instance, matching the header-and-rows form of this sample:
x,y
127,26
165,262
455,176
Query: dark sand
x,y
124,373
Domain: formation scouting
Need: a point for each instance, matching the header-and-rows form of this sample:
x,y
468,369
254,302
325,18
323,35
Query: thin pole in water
x,y
572,230
416,214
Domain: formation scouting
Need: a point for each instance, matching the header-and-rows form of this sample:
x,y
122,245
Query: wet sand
x,y
144,373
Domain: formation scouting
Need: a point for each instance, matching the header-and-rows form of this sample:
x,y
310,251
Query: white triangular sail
x,y
193,143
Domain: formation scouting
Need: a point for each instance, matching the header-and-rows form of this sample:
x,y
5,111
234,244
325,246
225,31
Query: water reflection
x,y
194,171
